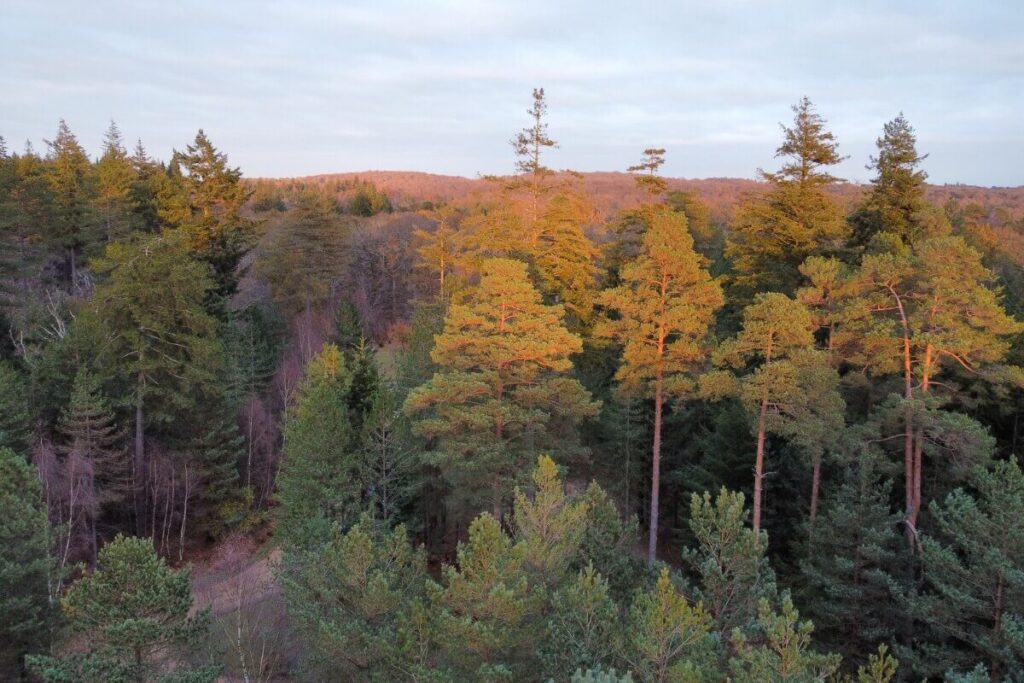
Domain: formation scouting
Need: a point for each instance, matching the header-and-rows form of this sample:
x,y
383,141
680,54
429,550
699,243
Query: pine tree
x,y
583,628
548,526
664,307
25,565
852,553
439,250
652,183
348,327
565,258
896,204
781,650
388,465
729,561
791,390
972,602
216,450
502,389
347,599
486,607
529,146
607,542
132,616
773,235
668,639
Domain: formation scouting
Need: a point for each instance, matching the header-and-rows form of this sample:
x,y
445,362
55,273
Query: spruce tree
x,y
583,629
662,314
14,410
116,180
72,183
26,567
772,235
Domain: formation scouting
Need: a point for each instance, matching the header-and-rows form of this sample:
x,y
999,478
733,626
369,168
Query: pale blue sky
x,y
295,88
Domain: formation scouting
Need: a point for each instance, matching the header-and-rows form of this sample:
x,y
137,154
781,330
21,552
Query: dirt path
x,y
238,576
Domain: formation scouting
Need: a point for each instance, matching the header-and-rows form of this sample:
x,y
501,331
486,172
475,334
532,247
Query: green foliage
x,y
14,409
607,544
780,650
502,389
548,527
348,596
772,235
600,676
317,484
972,601
668,639
729,562
132,617
25,565
389,464
369,201
486,608
583,629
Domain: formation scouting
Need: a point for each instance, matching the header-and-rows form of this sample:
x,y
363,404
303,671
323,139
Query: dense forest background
x,y
545,426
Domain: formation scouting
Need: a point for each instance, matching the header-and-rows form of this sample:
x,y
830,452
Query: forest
x,y
509,428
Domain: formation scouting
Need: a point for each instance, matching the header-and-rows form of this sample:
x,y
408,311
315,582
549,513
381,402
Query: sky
x,y
291,88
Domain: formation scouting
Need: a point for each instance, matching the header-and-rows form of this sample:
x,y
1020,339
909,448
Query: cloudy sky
x,y
294,88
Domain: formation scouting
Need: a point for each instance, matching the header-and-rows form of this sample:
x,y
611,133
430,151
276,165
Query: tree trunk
x,y
759,463
652,537
141,466
815,489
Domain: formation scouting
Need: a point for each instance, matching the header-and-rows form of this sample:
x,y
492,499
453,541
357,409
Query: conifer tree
x,y
318,483
216,451
132,616
565,258
583,628
896,204
71,180
773,235
26,567
438,250
163,347
548,526
852,553
388,466
116,179
729,560
90,428
347,600
664,309
651,182
348,327
14,411
791,391
781,650
486,607
668,639
529,146
216,231
972,602
502,389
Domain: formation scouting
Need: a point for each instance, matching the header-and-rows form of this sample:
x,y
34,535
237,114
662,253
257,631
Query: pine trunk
x,y
652,538
141,468
815,490
759,463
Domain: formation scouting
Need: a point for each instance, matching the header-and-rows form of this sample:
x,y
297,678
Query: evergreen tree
x,y
564,257
71,180
347,599
216,451
132,616
548,526
162,348
664,307
439,250
972,602
90,428
116,179
215,230
26,568
529,146
501,391
486,607
791,391
607,544
772,235
780,651
851,554
896,204
318,483
729,561
668,639
348,327
388,467
14,409
583,628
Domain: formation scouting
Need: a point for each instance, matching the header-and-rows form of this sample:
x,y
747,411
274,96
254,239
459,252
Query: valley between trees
x,y
540,427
